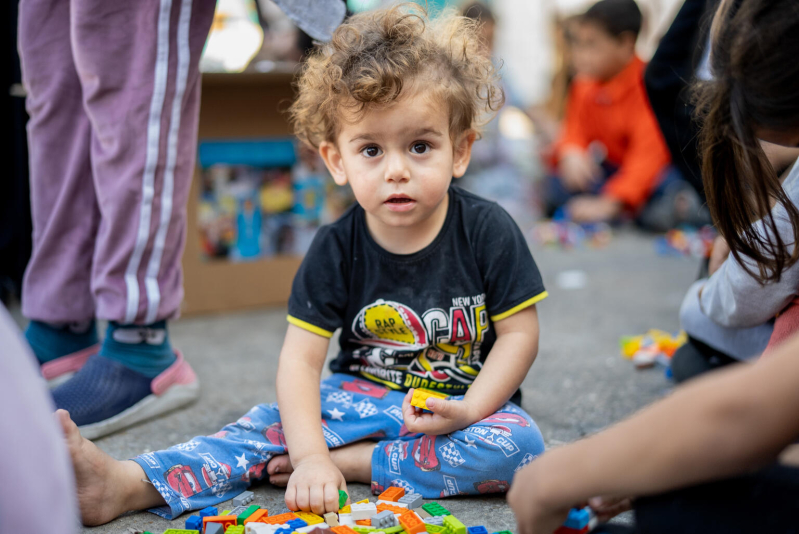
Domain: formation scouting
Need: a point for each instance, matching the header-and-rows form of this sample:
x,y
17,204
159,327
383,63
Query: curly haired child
x,y
431,286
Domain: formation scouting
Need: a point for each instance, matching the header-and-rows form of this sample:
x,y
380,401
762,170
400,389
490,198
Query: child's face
x,y
597,54
399,160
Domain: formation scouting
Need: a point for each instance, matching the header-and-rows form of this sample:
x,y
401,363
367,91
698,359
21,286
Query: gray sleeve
x,y
733,298
33,455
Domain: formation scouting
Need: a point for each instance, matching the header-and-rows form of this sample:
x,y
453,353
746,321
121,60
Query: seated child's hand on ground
x,y
592,209
314,485
578,171
448,415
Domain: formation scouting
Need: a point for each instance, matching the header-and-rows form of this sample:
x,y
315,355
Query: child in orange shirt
x,y
611,156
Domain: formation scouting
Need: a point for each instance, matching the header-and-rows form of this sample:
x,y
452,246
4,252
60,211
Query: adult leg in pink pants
x,y
113,95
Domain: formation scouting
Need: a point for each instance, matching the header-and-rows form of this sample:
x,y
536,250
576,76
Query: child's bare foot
x,y
354,461
106,487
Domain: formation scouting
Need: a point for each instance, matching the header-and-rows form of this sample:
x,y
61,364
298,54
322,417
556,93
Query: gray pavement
x,y
578,385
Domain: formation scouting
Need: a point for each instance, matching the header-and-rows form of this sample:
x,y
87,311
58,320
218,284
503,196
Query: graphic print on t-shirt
x,y
436,349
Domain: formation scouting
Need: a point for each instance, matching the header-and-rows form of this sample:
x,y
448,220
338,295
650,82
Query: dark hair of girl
x,y
755,86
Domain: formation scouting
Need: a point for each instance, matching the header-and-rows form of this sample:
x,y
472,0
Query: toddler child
x,y
611,154
432,287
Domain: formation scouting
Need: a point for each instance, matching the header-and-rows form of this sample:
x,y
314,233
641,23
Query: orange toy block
x,y
257,516
364,522
412,523
343,529
392,494
225,520
420,397
278,519
381,507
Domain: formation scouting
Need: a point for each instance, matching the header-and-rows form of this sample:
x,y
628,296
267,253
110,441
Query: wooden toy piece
x,y
256,516
412,523
331,519
278,519
224,520
421,395
392,494
343,529
310,518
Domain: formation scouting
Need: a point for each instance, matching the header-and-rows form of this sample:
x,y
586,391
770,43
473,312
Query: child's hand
x,y
448,415
578,171
314,485
528,500
592,209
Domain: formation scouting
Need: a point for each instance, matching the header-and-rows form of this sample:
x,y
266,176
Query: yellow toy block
x,y
420,397
310,518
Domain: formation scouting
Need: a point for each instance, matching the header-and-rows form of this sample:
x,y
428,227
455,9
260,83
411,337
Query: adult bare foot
x,y
354,461
106,487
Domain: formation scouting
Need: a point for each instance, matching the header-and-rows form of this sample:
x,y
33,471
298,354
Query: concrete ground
x,y
578,385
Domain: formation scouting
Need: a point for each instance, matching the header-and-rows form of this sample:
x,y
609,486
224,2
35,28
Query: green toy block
x,y
434,529
342,499
226,512
362,529
434,509
235,529
180,531
453,525
393,530
246,514
504,532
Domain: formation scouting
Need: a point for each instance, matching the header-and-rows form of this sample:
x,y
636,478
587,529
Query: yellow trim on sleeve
x,y
309,327
526,304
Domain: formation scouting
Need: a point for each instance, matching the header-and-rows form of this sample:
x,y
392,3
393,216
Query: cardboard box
x,y
237,106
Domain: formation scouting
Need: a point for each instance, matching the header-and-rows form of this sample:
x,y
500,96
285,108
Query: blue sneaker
x,y
105,396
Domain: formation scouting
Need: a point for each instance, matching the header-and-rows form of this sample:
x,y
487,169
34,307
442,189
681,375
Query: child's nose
x,y
397,169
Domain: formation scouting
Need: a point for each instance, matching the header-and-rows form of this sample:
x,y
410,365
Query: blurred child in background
x,y
611,156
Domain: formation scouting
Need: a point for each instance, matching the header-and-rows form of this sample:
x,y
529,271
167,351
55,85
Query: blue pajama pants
x,y
479,459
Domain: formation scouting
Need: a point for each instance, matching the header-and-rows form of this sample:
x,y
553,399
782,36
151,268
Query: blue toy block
x,y
480,529
297,523
208,512
194,522
285,530
578,519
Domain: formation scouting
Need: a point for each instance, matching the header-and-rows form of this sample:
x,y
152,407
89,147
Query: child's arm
x,y
315,482
720,425
503,372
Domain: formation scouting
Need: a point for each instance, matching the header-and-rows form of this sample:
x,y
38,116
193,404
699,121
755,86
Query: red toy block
x,y
392,494
225,520
567,530
343,529
394,509
257,515
412,523
278,519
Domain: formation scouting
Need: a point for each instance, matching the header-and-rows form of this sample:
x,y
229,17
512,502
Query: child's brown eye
x,y
420,148
371,151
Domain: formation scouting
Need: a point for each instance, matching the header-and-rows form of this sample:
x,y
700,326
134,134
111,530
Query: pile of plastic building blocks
x,y
394,512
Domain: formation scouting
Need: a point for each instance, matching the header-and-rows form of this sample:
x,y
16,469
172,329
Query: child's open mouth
x,y
399,203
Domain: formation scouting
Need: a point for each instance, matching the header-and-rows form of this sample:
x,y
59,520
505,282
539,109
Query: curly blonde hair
x,y
376,55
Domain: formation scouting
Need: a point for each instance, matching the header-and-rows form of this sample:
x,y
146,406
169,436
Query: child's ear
x,y
332,158
463,153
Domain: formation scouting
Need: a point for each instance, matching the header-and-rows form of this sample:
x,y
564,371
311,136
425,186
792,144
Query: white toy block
x,y
363,511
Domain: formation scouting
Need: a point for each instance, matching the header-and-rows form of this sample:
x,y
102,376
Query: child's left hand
x,y
592,209
448,415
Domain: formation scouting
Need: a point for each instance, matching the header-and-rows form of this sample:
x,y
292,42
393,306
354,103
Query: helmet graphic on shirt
x,y
390,325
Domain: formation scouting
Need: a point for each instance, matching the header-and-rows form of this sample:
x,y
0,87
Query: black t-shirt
x,y
422,319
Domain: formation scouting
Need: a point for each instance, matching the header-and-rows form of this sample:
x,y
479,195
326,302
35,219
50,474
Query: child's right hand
x,y
314,485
